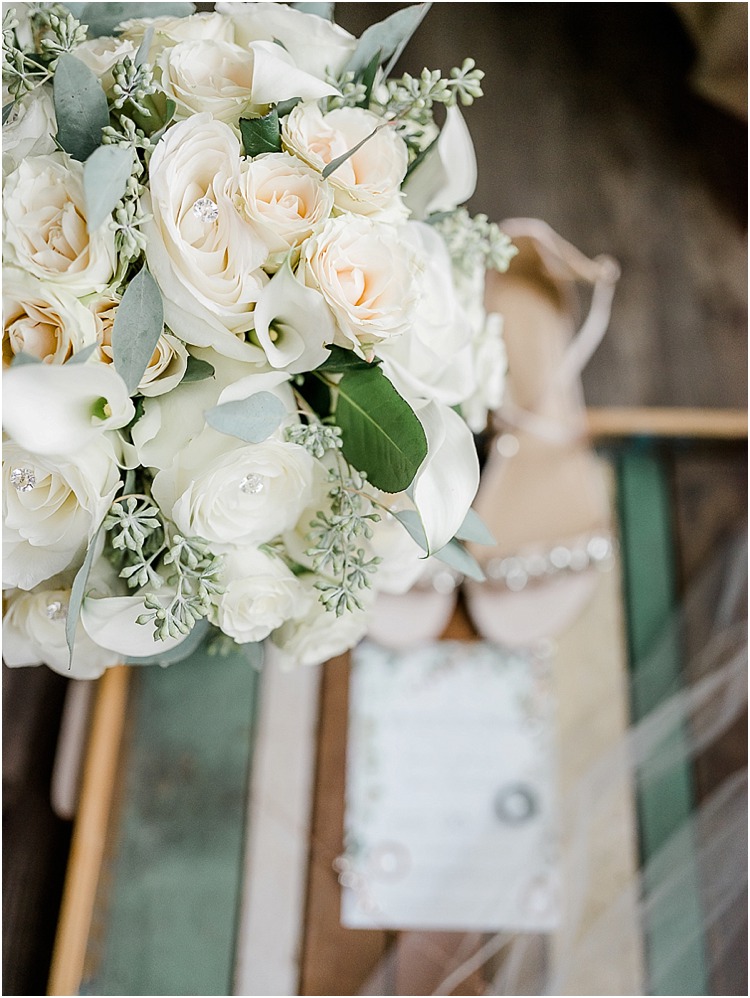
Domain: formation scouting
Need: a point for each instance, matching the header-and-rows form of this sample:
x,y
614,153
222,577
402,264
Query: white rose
x,y
317,45
41,320
45,226
320,634
169,31
207,267
434,359
369,181
231,494
52,508
260,595
29,129
102,54
284,199
34,634
169,422
368,276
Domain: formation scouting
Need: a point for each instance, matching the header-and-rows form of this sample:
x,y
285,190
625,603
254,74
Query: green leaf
x,y
456,555
261,135
105,176
252,419
24,358
80,107
381,435
77,593
7,108
368,78
390,36
315,391
197,370
179,652
324,10
139,322
413,523
103,18
83,355
474,530
339,361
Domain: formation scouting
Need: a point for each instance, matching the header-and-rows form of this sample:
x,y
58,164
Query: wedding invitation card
x,y
450,809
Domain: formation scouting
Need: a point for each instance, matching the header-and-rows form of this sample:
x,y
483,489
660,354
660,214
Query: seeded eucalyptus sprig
x,y
336,535
148,552
54,31
473,240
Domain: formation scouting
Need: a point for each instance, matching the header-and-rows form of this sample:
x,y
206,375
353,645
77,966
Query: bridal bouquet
x,y
244,343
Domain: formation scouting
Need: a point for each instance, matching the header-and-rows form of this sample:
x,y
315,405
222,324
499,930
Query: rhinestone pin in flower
x,y
206,210
23,479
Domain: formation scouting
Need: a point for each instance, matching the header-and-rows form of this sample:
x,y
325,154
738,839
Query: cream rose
x,y
368,276
29,129
170,31
208,75
34,634
45,226
320,634
369,181
203,254
168,363
41,320
102,54
317,45
52,508
284,199
260,594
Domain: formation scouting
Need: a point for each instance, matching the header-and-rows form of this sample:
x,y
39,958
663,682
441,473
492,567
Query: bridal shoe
x,y
542,492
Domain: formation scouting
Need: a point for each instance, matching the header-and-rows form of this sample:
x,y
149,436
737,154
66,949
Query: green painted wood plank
x,y
166,915
673,918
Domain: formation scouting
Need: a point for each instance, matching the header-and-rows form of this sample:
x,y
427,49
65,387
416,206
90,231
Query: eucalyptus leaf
x,y
474,530
80,107
413,523
285,106
81,356
197,370
77,593
324,10
139,322
252,419
380,432
389,36
141,55
339,361
456,555
180,652
105,177
24,358
336,163
368,79
103,18
7,108
261,135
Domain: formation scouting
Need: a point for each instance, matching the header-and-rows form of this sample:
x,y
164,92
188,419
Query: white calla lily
x,y
447,177
111,622
293,323
448,478
277,78
58,409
